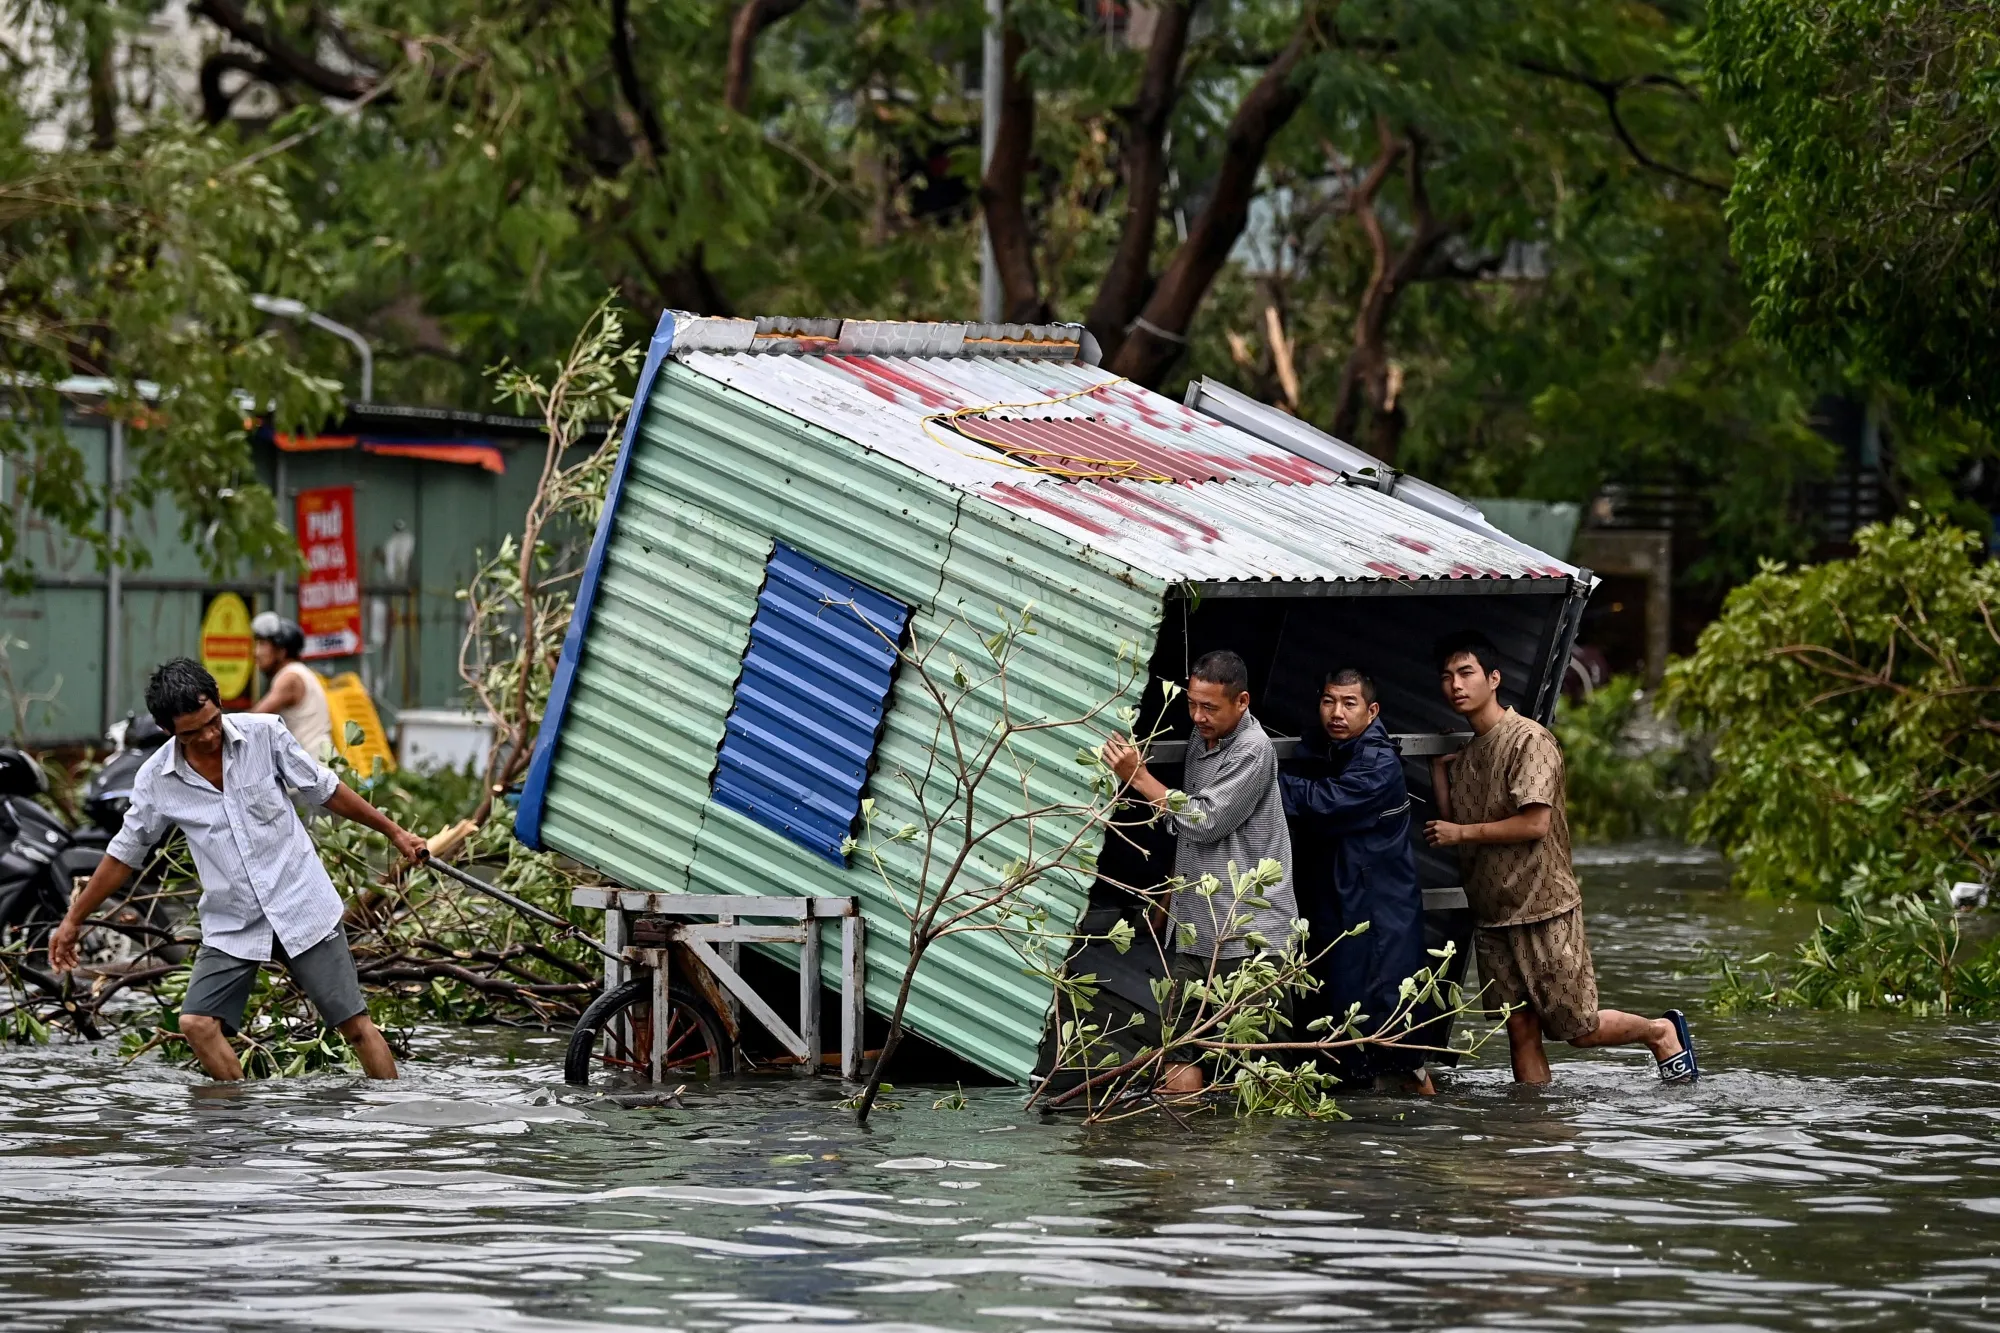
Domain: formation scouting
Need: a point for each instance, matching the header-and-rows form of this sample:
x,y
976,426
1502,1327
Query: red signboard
x,y
330,590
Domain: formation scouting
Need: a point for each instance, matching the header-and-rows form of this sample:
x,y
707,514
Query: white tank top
x,y
309,720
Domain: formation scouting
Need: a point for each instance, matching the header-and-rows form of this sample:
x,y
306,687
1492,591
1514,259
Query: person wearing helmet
x,y
295,693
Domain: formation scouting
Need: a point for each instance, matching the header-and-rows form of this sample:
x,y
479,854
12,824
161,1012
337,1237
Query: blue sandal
x,y
1680,1067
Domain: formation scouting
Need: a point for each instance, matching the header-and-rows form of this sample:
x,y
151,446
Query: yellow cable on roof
x,y
1124,469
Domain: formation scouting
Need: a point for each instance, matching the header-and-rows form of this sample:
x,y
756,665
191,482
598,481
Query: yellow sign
x,y
226,649
347,700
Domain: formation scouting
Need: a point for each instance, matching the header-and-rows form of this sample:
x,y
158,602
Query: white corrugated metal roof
x,y
1149,481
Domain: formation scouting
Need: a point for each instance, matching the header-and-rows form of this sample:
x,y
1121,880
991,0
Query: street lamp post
x,y
992,71
287,308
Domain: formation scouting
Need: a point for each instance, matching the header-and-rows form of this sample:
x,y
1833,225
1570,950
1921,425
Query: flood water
x,y
1831,1171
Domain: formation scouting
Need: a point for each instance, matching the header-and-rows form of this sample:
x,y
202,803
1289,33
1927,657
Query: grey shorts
x,y
221,984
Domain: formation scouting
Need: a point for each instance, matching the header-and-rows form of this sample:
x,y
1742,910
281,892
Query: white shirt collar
x,y
231,735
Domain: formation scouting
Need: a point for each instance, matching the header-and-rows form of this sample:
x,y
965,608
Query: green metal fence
x,y
442,514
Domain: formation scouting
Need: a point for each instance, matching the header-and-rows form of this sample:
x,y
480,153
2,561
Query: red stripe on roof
x,y
1119,500
1074,440
884,379
1030,497
1159,499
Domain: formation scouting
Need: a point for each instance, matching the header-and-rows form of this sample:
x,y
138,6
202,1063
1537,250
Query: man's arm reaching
x,y
1441,783
107,879
1124,760
141,830
1229,796
320,785
350,804
1530,825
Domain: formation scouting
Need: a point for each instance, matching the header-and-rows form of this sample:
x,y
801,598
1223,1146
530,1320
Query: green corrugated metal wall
x,y
716,479
454,511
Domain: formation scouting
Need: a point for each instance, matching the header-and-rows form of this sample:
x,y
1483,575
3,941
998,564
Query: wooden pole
x,y
853,1007
661,1014
732,954
616,973
809,993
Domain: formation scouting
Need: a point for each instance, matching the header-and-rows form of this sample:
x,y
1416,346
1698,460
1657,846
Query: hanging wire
x,y
1018,456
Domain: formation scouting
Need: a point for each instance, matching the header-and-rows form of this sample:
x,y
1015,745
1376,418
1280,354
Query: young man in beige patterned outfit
x,y
1500,800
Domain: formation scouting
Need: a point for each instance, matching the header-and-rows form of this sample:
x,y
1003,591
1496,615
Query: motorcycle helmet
x,y
142,733
20,775
274,628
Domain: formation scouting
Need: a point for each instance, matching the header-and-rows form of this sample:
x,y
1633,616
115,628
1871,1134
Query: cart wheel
x,y
613,1041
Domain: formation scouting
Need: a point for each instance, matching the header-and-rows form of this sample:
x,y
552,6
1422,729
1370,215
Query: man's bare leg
x,y
1524,1043
1617,1028
1409,1082
369,1046
211,1047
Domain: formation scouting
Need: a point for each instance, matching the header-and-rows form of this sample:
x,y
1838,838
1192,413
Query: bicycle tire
x,y
697,1036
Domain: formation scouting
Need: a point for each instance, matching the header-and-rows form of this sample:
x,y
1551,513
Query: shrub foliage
x,y
1855,707
1856,712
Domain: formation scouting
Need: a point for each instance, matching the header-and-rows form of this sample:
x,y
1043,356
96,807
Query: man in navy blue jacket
x,y
1353,861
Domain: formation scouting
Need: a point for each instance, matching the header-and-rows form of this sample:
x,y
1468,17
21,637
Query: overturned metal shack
x,y
712,730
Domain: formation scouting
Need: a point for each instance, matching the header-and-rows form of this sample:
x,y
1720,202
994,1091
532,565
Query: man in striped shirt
x,y
227,783
1233,821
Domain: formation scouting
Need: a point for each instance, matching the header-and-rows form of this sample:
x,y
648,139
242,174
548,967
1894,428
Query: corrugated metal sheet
x,y
1307,441
1219,504
1317,533
809,704
877,337
713,478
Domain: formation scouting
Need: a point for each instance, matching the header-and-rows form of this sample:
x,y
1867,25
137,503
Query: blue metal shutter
x,y
809,703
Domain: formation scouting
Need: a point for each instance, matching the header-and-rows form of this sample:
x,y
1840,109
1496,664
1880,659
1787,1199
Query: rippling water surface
x,y
1830,1172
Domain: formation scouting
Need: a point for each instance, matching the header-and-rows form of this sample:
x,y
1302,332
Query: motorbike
x,y
42,859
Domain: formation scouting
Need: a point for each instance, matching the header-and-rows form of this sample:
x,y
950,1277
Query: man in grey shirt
x,y
1234,818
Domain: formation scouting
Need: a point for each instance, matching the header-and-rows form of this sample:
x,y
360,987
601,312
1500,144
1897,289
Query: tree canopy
x,y
1866,203
132,266
1856,716
1485,240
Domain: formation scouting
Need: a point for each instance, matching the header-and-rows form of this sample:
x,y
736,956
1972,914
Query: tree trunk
x,y
626,66
1128,278
688,285
1370,396
1159,331
100,55
751,19
1370,391
918,947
